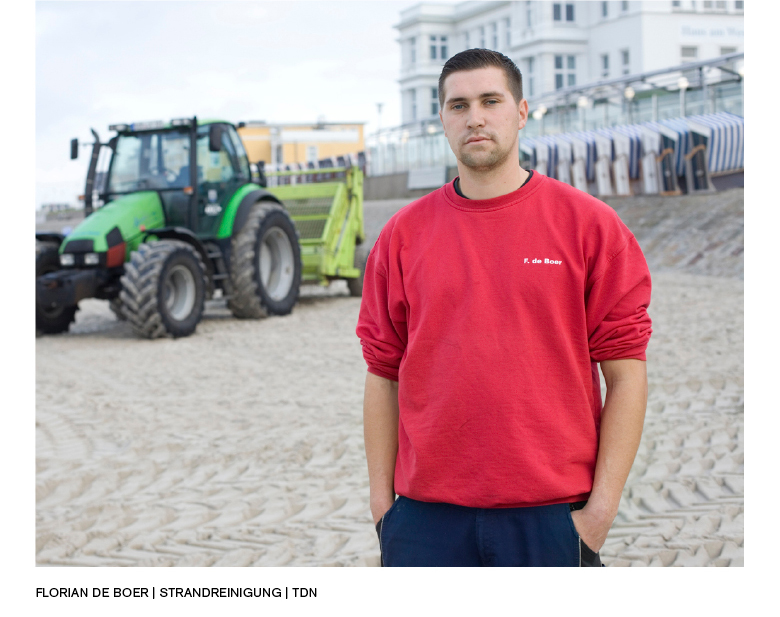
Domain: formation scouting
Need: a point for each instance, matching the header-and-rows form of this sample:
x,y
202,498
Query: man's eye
x,y
458,107
491,101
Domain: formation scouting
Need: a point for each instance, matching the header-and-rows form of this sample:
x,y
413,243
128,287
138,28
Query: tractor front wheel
x,y
163,289
50,320
265,267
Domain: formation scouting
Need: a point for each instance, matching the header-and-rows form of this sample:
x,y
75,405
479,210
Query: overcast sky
x,y
99,63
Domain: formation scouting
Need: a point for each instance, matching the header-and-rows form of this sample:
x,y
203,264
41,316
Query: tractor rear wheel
x,y
116,308
265,268
163,289
355,286
51,320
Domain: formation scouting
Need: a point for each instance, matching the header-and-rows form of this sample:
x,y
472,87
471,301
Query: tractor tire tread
x,y
141,283
245,301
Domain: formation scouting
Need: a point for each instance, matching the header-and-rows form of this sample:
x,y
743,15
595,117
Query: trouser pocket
x,y
379,527
379,535
588,557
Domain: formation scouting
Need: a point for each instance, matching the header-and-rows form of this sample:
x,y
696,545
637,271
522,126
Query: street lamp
x,y
582,104
683,84
539,115
629,94
741,72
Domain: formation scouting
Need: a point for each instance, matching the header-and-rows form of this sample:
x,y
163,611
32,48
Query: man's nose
x,y
475,118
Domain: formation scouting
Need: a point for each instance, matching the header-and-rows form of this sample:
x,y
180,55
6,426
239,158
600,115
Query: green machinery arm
x,y
329,219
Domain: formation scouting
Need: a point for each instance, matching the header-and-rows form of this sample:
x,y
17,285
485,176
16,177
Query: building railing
x,y
693,88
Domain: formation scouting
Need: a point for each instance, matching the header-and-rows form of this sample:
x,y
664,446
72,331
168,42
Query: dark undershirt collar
x,y
456,184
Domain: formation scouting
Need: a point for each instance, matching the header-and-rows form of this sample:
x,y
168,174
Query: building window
x,y
740,6
434,101
558,14
566,75
626,57
482,37
495,35
624,6
528,20
571,67
466,44
413,50
676,4
689,53
413,104
438,47
721,6
707,4
507,33
727,50
605,65
312,154
530,79
604,9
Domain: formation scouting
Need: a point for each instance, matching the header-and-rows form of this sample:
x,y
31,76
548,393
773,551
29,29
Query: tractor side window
x,y
238,145
227,146
215,166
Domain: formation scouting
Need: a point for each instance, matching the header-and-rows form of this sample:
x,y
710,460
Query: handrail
x,y
301,172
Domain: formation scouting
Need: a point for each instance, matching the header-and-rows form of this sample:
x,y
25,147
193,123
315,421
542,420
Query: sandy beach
x,y
242,444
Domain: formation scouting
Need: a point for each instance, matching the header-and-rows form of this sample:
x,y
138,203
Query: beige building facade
x,y
281,144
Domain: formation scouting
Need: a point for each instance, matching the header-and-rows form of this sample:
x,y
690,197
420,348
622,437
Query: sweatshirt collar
x,y
496,203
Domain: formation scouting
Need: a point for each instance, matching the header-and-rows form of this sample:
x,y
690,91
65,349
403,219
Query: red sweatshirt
x,y
492,316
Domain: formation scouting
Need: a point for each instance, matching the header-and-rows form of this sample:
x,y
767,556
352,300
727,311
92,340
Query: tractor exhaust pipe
x,y
88,209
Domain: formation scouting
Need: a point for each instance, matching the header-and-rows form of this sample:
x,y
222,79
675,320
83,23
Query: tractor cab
x,y
193,168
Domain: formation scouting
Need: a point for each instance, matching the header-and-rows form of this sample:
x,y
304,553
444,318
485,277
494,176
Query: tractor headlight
x,y
67,259
91,259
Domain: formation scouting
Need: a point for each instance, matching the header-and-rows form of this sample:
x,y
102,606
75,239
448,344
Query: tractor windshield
x,y
150,160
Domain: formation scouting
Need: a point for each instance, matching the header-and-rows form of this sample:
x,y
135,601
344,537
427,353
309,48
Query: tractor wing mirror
x,y
74,149
215,138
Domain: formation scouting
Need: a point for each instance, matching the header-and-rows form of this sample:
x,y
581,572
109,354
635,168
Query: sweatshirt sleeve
x,y
617,300
381,324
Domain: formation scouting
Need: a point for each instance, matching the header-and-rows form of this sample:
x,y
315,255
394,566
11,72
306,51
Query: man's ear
x,y
522,110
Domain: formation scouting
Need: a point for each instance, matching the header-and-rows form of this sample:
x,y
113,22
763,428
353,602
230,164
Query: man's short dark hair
x,y
472,59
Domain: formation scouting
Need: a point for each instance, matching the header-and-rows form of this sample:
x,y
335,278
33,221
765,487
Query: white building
x,y
558,45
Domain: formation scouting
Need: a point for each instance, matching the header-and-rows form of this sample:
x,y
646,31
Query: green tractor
x,y
184,218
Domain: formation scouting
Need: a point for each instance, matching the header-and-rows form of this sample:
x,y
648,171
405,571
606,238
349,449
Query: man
x,y
487,307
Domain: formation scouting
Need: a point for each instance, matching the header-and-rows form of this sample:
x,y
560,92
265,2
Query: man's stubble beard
x,y
485,161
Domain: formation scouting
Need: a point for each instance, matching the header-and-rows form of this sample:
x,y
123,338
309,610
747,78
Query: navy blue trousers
x,y
416,533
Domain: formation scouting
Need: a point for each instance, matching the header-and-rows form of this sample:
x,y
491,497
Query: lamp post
x,y
629,94
682,83
582,105
539,115
741,72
